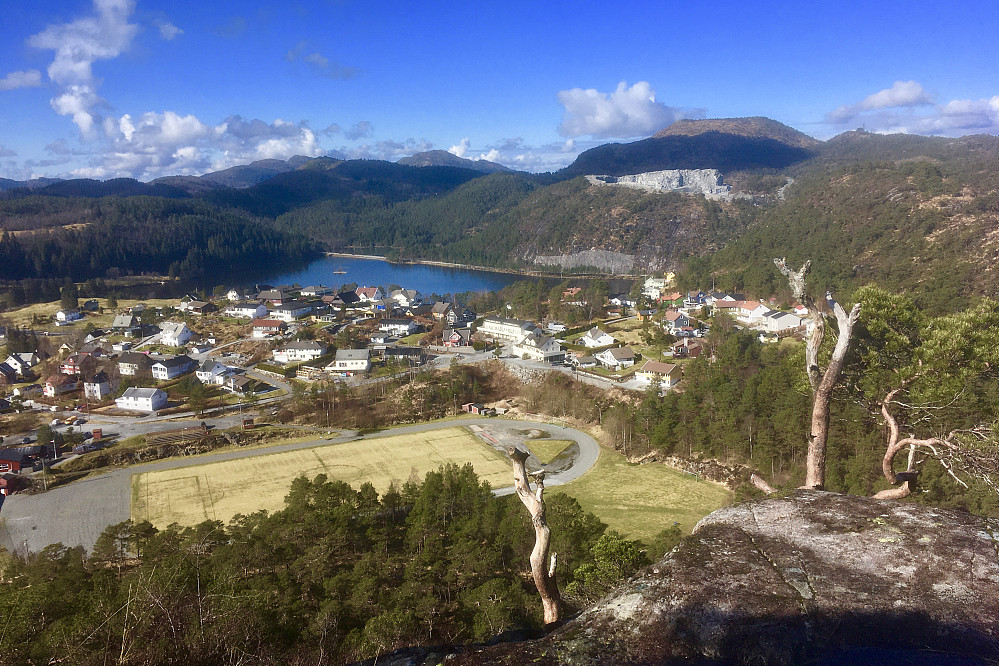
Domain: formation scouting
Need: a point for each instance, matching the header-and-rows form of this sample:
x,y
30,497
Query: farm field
x,y
641,500
219,491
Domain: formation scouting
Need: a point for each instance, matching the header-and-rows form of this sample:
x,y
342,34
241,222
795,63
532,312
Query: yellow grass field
x,y
219,491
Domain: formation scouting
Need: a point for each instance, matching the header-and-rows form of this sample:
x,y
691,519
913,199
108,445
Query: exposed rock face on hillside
x,y
616,263
784,581
692,181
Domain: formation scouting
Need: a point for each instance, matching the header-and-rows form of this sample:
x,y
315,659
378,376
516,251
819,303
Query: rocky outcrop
x,y
604,261
813,577
690,181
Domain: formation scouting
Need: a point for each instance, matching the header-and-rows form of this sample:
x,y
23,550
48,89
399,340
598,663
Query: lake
x,y
335,271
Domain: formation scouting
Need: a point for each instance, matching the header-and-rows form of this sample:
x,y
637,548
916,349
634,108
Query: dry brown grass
x,y
219,491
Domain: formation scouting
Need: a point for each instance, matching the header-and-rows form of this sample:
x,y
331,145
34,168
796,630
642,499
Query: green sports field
x,y
219,491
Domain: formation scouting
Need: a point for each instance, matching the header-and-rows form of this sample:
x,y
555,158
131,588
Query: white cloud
x,y
7,152
906,107
78,45
902,94
31,78
461,149
169,31
626,112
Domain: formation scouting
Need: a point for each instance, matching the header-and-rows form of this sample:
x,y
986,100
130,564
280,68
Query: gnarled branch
x,y
544,578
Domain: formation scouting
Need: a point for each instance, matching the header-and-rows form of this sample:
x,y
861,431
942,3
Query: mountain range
x,y
915,213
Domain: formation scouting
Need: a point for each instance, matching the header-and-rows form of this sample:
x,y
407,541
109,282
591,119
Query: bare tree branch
x,y
822,382
761,484
544,578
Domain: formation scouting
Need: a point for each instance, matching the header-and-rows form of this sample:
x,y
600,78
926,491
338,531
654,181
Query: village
x,y
243,348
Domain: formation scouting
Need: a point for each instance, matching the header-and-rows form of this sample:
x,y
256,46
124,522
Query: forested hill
x,y
912,213
56,237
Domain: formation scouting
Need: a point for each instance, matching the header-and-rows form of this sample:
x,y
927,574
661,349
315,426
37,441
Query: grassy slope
x,y
641,500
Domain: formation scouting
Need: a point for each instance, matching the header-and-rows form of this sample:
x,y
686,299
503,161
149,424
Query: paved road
x,y
76,514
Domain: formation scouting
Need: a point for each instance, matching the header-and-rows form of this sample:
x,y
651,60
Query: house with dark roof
x,y
617,358
174,366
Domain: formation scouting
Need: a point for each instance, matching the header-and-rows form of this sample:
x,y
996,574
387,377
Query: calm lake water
x,y
376,273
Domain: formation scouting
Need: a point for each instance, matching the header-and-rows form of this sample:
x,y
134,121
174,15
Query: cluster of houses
x,y
752,314
533,343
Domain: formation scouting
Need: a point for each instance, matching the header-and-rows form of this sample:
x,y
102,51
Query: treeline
x,y
340,574
180,238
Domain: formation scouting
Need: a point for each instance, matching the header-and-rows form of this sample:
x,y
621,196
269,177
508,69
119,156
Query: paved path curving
x,y
76,514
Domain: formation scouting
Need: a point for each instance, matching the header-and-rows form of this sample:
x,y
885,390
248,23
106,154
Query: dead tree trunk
x,y
544,578
822,382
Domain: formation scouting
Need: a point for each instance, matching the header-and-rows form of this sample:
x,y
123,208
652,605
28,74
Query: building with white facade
x,y
299,351
175,333
501,328
539,347
171,367
351,362
142,399
596,338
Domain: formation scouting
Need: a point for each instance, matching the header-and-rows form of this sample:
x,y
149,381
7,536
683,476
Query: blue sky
x,y
105,88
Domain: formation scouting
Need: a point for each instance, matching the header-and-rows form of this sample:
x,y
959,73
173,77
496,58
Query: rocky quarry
x,y
692,181
813,577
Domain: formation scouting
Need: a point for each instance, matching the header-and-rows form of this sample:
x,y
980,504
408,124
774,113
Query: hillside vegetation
x,y
912,213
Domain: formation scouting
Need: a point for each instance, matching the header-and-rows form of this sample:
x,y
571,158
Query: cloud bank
x,y
906,107
626,112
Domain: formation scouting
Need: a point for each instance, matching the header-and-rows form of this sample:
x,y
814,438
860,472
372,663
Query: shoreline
x,y
485,269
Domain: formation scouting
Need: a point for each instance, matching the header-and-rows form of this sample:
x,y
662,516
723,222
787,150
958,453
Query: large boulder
x,y
813,577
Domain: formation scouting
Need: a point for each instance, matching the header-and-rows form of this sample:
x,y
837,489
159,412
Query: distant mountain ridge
x,y
756,127
444,158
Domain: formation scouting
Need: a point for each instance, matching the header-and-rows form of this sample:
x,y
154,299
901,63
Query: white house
x,y
212,372
142,399
174,333
299,351
597,338
290,310
98,387
249,310
370,294
406,297
654,287
752,312
58,384
501,328
617,358
541,348
171,367
21,362
775,321
68,315
400,327
669,374
350,362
